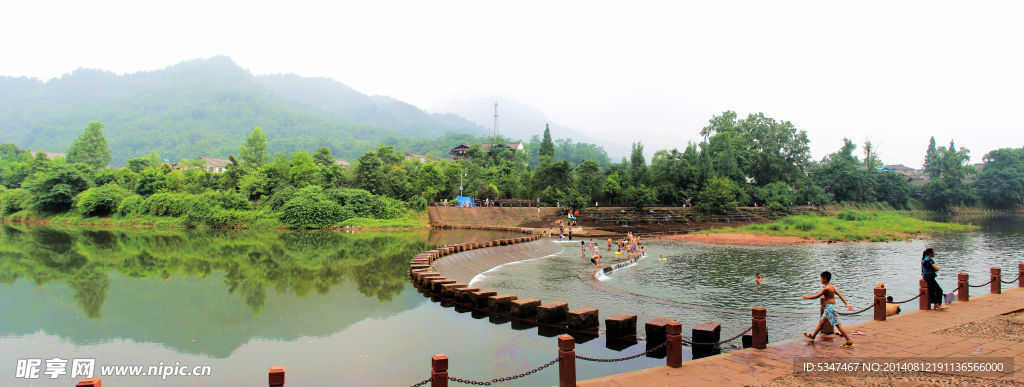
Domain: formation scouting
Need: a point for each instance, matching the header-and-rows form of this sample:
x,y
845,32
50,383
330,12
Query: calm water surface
x,y
332,308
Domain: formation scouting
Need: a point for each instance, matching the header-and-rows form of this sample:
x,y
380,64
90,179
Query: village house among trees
x,y
460,152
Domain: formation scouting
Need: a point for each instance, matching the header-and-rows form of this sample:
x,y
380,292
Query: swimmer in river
x,y
596,260
609,244
642,253
662,258
758,278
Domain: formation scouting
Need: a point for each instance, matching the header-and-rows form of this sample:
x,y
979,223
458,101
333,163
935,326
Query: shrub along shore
x,y
847,226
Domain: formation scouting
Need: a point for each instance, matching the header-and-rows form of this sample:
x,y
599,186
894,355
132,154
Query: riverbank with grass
x,y
845,226
233,219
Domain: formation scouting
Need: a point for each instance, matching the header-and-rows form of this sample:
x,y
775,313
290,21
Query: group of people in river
x,y
631,244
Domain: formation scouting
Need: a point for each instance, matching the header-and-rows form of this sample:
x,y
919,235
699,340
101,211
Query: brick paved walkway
x,y
972,329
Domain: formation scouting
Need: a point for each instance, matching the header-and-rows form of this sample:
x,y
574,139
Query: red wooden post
x,y
674,344
880,304
923,304
90,382
962,292
997,278
439,370
1020,275
759,332
276,378
567,361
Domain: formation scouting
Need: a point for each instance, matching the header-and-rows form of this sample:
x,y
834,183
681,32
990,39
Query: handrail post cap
x,y
439,362
566,342
674,328
758,312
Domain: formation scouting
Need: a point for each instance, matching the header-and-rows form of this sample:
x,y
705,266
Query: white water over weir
x,y
602,275
465,266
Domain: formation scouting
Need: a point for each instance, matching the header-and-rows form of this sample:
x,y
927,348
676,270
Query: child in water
x,y
662,258
758,278
829,293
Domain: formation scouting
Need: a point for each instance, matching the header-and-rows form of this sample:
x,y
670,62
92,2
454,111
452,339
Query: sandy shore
x,y
739,239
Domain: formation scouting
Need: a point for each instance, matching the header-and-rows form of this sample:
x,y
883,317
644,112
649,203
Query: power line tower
x,y
495,119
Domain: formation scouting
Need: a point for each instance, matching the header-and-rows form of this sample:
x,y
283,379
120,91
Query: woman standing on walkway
x,y
928,272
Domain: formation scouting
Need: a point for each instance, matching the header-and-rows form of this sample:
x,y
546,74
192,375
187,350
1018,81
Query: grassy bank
x,y
254,220
847,225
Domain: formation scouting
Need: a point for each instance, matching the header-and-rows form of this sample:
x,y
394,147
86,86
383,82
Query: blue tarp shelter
x,y
464,201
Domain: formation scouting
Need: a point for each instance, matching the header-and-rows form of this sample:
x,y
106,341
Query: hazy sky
x,y
897,72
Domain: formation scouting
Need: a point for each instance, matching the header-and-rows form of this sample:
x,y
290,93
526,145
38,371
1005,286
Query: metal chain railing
x,y
857,312
688,342
1013,280
984,284
912,299
505,379
422,382
594,359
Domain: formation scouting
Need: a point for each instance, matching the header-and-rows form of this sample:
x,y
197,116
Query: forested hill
x,y
206,107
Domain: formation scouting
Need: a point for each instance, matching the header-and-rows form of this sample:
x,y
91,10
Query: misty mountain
x,y
206,107
517,120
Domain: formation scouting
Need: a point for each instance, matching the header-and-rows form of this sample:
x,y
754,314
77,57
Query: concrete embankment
x,y
465,265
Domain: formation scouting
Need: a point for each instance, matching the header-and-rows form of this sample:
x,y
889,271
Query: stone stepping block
x,y
583,319
525,308
621,325
436,286
425,279
480,297
448,290
500,303
655,330
553,313
465,295
706,332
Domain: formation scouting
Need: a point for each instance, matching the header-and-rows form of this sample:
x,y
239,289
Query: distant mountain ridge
x,y
206,107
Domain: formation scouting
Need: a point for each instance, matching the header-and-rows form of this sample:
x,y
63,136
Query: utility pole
x,y
495,120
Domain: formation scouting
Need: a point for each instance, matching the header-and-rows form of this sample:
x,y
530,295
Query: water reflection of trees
x,y
252,262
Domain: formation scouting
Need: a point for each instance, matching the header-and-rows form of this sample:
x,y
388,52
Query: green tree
x,y
839,175
892,188
91,147
54,190
253,152
719,196
947,188
871,160
589,179
303,171
612,188
100,201
931,160
640,196
323,156
638,172
547,147
1001,183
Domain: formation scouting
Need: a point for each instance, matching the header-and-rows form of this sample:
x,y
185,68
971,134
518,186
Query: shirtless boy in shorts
x,y
829,293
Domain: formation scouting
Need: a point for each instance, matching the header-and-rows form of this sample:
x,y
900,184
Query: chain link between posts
x,y
1013,280
688,342
504,379
422,382
906,301
594,359
978,286
859,311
